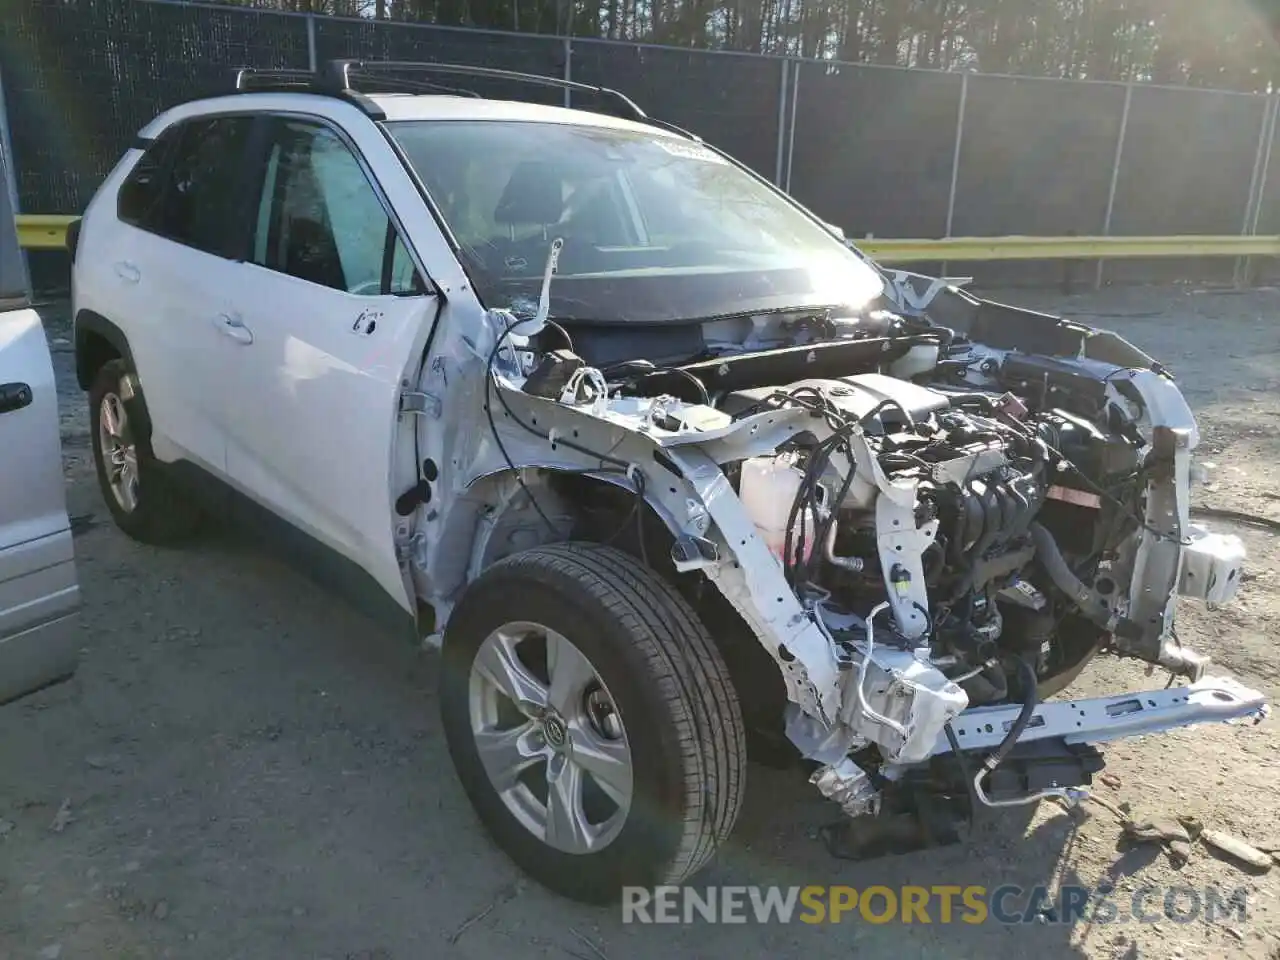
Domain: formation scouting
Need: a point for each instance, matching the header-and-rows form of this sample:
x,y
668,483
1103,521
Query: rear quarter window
x,y
140,195
185,186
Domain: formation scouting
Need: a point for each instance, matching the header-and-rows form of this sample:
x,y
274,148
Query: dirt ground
x,y
248,769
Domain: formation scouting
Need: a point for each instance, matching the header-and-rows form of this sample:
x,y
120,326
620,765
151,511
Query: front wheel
x,y
591,721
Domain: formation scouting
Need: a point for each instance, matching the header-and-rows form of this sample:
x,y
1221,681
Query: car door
x,y
174,267
39,633
338,315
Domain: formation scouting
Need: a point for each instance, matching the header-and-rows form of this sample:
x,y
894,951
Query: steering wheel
x,y
367,288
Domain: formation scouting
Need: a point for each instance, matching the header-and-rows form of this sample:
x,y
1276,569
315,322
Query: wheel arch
x,y
493,520
97,342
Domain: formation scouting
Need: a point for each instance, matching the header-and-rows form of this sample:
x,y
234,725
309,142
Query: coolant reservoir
x,y
768,489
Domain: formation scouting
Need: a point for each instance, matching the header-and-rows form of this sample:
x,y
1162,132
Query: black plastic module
x,y
1050,382
1042,764
551,375
787,364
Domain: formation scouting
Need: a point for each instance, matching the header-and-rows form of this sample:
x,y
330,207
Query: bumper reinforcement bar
x,y
1108,718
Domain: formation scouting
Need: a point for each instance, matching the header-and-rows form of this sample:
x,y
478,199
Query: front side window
x,y
320,220
655,227
185,187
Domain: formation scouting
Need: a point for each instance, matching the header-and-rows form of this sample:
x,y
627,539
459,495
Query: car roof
x,y
407,106
402,106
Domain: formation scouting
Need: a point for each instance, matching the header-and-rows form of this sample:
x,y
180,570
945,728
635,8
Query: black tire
x,y
163,515
669,684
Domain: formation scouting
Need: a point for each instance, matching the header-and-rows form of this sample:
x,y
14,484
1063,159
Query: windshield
x,y
655,227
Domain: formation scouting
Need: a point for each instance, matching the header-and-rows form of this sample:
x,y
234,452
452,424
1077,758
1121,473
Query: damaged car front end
x,y
908,516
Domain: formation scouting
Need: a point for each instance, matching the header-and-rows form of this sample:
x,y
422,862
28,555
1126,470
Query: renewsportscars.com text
x,y
939,903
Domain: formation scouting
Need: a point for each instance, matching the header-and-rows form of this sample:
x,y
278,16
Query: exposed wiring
x,y
860,690
585,376
634,372
633,473
971,673
928,618
1239,516
637,478
563,333
797,561
807,506
636,514
560,441
489,378
887,404
1110,498
697,383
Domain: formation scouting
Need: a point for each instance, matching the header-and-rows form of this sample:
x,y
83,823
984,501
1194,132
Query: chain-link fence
x,y
880,151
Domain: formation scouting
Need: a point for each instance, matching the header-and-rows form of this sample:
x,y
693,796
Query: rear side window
x,y
139,199
185,188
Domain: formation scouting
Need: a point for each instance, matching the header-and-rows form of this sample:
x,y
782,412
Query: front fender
x,y
92,331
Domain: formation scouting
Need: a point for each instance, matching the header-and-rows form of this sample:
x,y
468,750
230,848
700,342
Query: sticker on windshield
x,y
689,150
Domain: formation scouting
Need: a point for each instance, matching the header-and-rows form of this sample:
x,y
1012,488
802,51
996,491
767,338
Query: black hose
x,y
564,334
820,535
792,549
956,399
886,404
1029,702
698,385
1050,557
965,773
988,686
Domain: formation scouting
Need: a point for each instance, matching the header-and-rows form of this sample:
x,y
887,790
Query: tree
x,y
1228,44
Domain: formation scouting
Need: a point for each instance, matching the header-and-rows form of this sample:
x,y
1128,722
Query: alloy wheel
x,y
550,737
119,451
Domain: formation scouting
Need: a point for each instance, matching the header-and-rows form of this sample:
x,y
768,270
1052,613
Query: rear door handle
x,y
128,272
14,396
233,327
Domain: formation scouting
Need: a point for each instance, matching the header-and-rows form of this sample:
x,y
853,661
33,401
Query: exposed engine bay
x,y
982,519
931,516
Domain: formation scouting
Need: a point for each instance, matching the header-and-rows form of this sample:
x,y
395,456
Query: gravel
x,y
250,769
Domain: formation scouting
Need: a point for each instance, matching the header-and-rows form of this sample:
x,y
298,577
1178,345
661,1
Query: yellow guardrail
x,y
1066,248
42,231
48,232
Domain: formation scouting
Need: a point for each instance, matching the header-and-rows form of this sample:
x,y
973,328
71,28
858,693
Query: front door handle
x,y
233,327
128,272
14,396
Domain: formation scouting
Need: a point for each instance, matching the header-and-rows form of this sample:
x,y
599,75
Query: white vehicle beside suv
x,y
664,465
39,592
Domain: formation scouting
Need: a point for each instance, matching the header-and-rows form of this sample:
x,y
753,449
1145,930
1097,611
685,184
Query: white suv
x,y
664,465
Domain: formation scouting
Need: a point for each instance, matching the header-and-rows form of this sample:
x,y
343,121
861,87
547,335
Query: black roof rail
x,y
352,79
271,80
344,75
246,79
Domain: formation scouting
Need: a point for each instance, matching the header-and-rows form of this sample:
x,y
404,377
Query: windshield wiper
x,y
538,322
825,311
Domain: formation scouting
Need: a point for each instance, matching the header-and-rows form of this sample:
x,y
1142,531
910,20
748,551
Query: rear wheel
x,y
592,721
143,502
